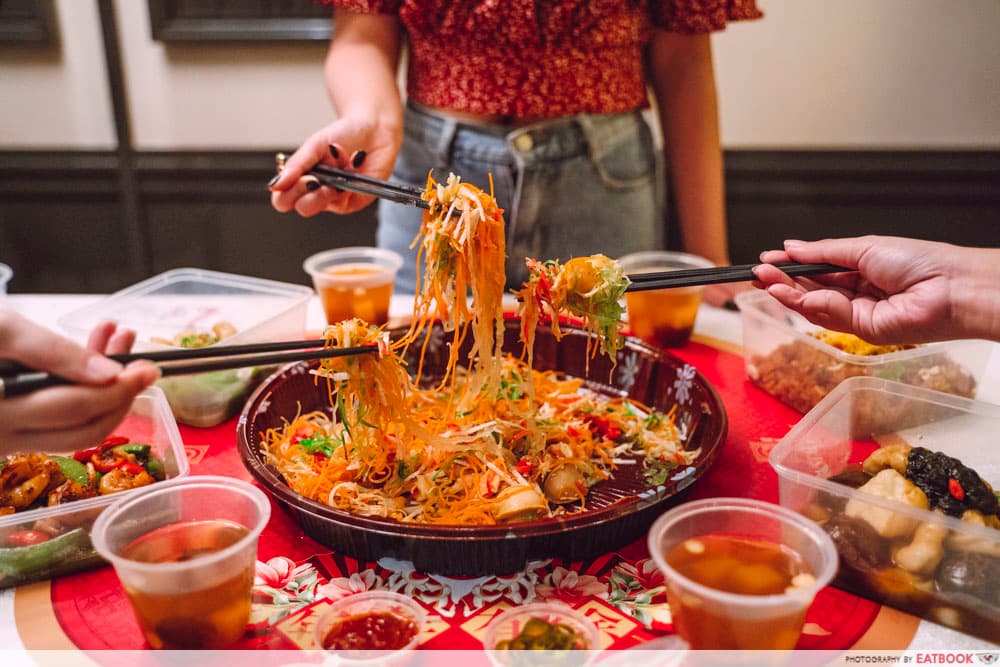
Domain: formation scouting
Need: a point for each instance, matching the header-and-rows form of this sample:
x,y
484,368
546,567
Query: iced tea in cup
x,y
354,282
740,574
663,317
185,553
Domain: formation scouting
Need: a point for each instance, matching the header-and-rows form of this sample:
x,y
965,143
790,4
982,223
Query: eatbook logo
x,y
988,658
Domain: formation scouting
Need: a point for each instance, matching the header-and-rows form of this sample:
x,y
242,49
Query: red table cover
x,y
622,592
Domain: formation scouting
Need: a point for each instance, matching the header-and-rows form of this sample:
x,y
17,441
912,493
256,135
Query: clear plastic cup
x,y
354,282
663,317
711,618
6,273
185,554
354,630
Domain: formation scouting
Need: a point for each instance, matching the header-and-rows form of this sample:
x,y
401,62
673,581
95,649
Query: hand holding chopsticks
x,y
641,282
17,379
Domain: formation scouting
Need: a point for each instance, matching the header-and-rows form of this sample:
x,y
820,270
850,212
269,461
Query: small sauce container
x,y
370,628
565,635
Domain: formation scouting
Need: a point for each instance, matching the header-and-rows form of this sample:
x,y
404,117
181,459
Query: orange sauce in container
x,y
744,567
355,290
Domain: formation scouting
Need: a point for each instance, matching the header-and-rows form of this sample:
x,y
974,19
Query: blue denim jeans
x,y
569,187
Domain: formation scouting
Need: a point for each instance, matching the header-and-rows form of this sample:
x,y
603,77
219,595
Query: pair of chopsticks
x,y
349,180
17,379
641,282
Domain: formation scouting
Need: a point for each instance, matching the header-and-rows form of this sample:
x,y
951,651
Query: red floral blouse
x,y
523,58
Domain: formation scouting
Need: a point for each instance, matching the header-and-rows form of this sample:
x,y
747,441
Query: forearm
x,y
975,294
684,82
361,69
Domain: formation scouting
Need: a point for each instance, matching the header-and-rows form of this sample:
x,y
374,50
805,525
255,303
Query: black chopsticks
x,y
16,379
349,180
641,282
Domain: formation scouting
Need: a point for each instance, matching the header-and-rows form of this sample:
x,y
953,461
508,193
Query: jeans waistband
x,y
548,140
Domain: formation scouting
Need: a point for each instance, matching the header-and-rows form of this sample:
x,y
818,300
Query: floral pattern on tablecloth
x,y
625,598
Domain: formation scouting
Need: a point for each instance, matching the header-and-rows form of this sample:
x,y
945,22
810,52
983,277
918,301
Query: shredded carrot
x,y
482,446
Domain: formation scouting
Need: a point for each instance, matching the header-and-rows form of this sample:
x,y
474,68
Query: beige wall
x,y
863,73
58,98
216,95
812,74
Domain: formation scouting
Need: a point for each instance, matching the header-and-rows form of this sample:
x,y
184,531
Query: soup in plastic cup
x,y
663,317
740,573
185,553
354,282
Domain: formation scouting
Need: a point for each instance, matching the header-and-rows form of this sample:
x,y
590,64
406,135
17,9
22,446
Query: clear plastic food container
x,y
911,525
194,301
51,541
784,358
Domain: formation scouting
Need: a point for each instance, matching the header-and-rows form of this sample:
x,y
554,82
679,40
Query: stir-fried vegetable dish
x,y
495,440
30,481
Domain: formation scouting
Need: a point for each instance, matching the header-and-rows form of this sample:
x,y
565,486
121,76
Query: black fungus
x,y
854,478
950,486
859,545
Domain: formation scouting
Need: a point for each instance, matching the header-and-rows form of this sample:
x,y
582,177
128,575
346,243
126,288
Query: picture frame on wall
x,y
28,22
239,20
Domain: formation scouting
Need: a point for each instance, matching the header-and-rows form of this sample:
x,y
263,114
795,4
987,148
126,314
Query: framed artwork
x,y
239,20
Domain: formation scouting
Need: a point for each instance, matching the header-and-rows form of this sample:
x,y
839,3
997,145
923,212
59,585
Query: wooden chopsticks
x,y
349,180
641,282
17,379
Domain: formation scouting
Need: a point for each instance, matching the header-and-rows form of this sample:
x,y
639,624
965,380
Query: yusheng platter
x,y
472,444
614,512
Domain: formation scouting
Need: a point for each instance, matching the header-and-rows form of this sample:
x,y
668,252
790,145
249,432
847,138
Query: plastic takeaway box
x,y
195,300
936,557
784,358
67,525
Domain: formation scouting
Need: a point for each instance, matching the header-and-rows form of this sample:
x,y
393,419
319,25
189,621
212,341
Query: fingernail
x,y
274,180
730,305
101,368
358,158
334,152
312,184
793,243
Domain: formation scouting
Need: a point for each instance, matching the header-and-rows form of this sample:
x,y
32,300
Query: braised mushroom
x,y
565,484
519,503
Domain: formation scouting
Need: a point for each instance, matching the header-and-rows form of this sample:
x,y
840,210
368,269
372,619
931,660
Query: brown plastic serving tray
x,y
618,511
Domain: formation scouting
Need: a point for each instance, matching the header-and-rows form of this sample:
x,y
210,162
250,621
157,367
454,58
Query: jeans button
x,y
524,142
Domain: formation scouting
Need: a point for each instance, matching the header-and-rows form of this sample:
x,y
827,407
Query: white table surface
x,y
712,322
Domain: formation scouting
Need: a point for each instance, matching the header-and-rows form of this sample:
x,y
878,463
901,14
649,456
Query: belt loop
x,y
591,135
445,139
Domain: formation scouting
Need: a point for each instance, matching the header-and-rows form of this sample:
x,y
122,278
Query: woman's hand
x,y
68,417
361,146
900,290
366,137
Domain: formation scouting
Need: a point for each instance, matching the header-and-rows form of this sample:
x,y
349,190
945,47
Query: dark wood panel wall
x,y
63,227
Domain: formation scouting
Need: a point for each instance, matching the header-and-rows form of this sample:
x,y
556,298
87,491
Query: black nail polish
x,y
312,186
730,305
273,180
334,152
359,158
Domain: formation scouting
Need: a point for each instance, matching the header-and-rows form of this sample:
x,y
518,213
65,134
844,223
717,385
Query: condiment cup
x,y
663,317
710,618
5,275
185,553
510,624
354,282
353,608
